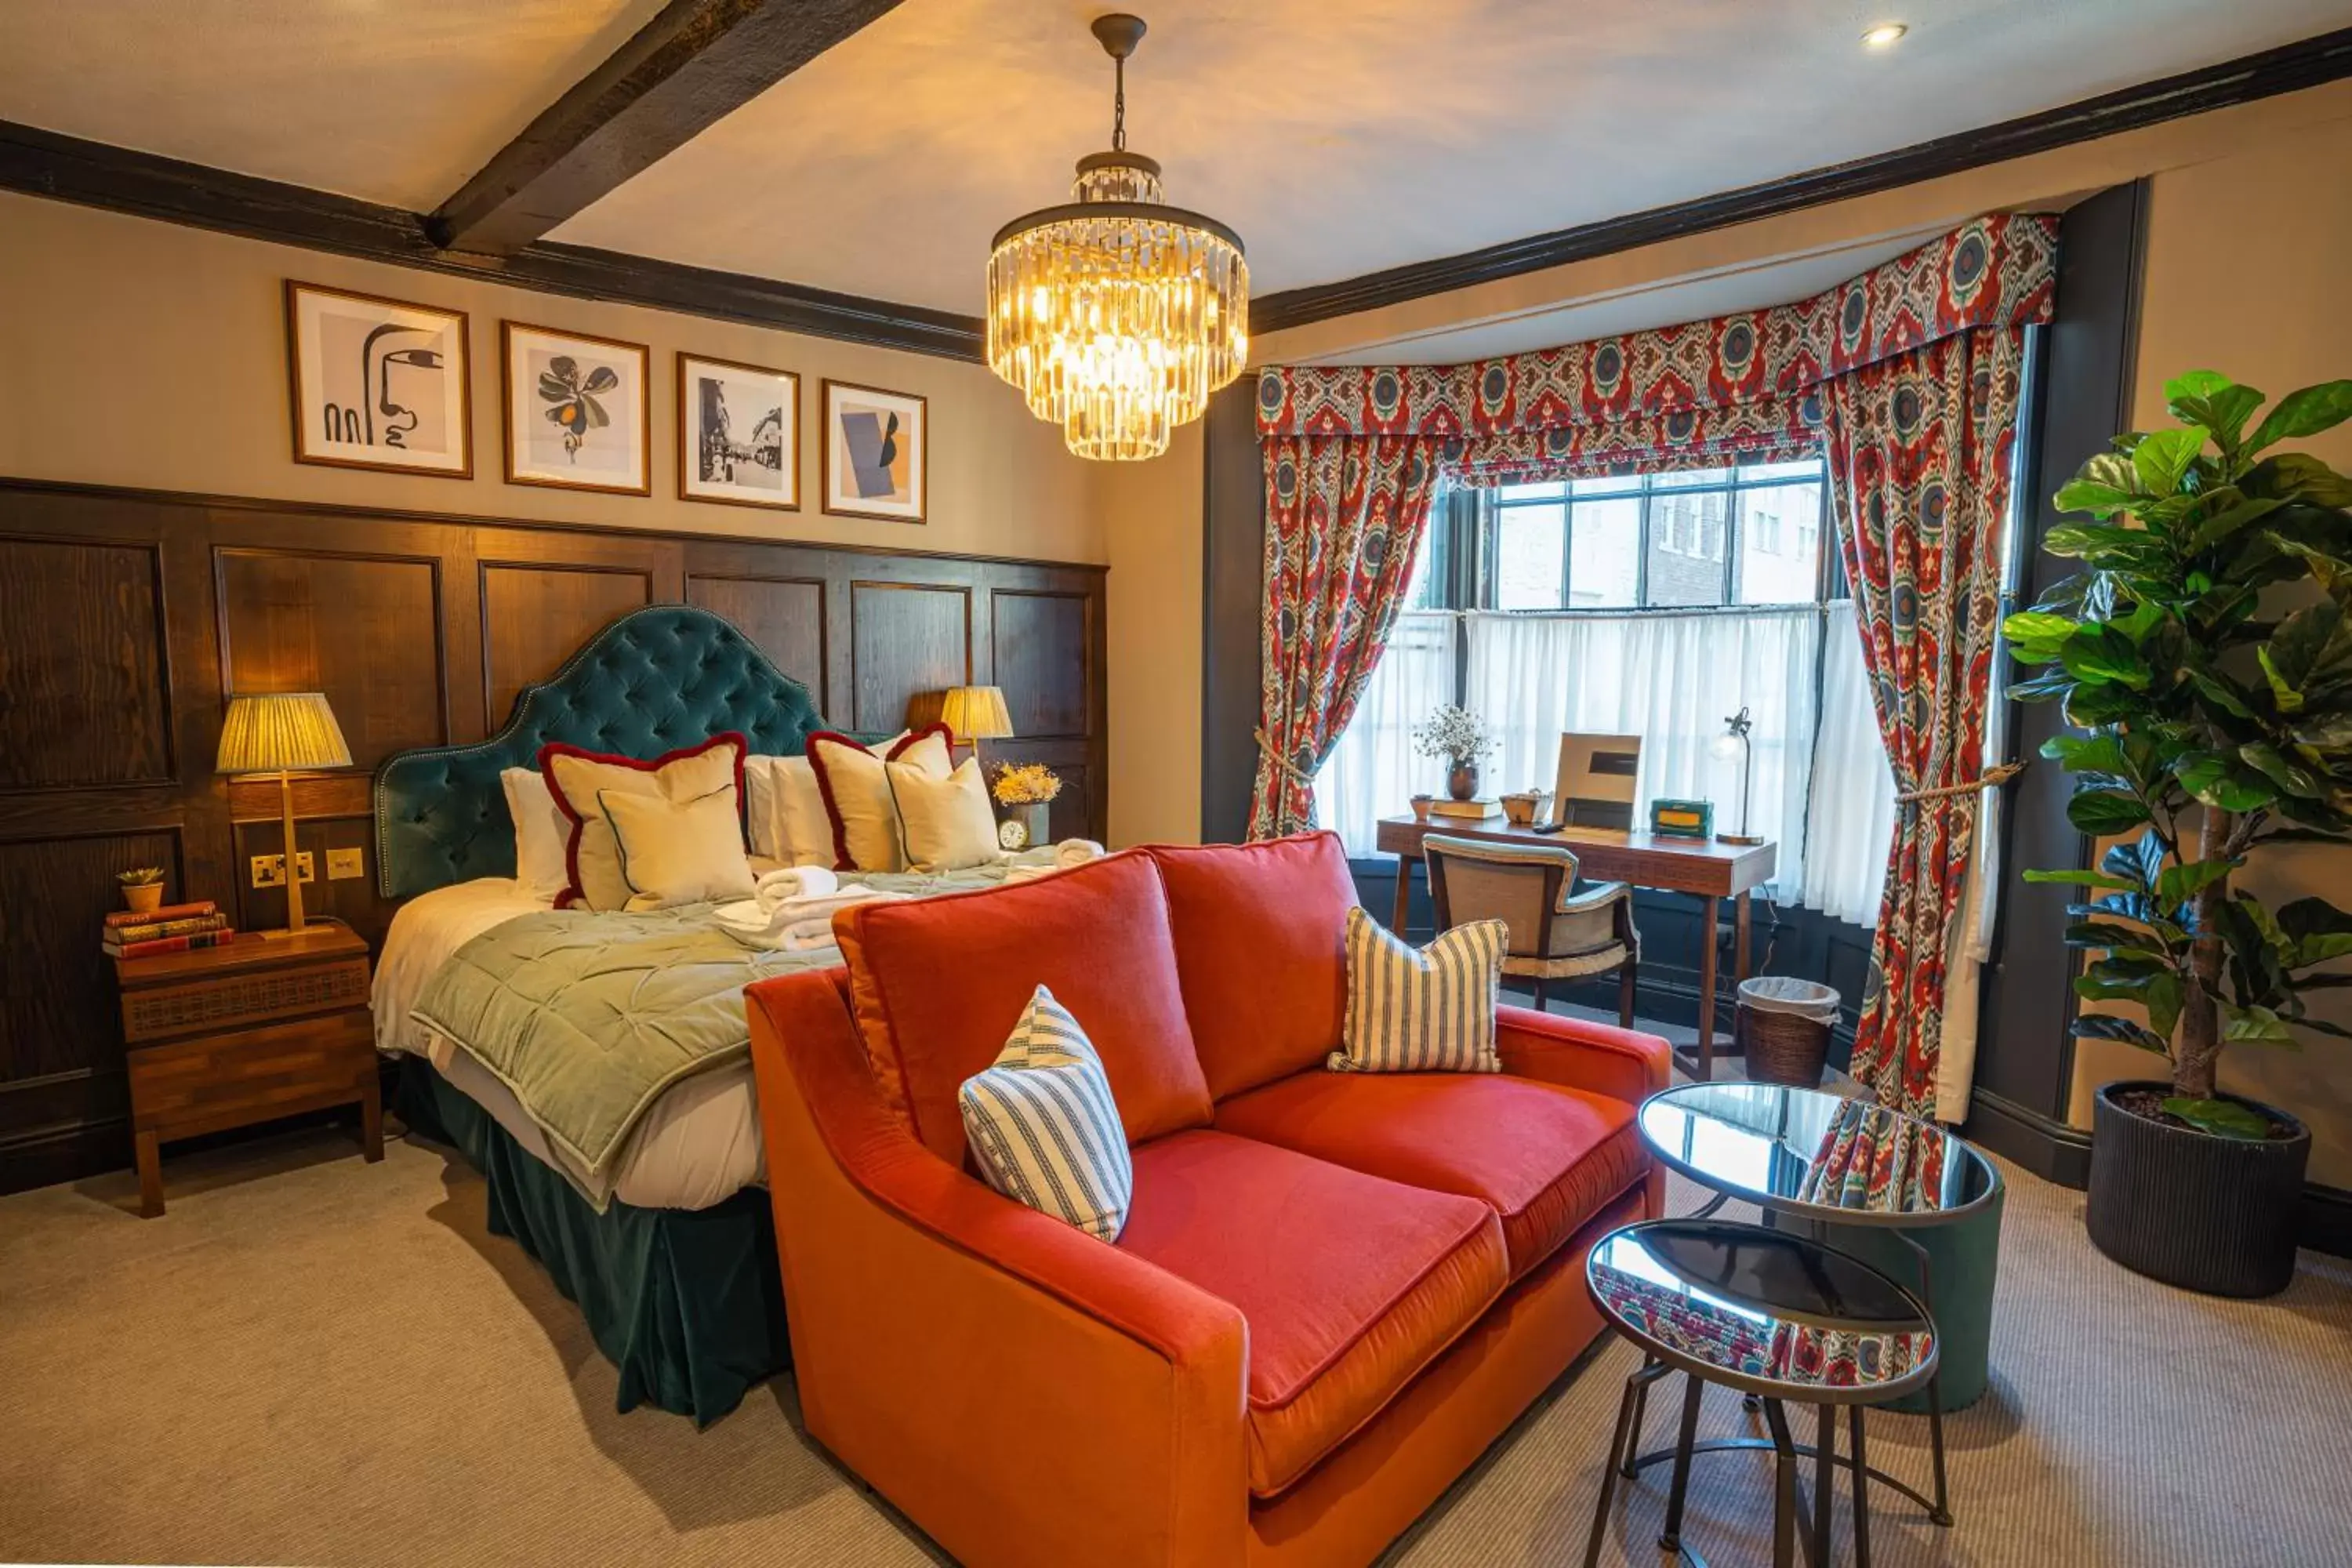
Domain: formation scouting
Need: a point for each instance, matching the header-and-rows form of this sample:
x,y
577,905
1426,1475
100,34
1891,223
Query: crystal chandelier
x,y
1115,314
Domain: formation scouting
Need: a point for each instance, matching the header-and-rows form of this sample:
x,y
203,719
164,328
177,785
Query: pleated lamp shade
x,y
281,730
976,713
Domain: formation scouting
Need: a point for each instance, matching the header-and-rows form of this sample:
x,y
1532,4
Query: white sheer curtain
x,y
1373,771
1671,678
1850,823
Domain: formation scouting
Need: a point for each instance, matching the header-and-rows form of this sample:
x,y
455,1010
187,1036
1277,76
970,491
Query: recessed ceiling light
x,y
1884,35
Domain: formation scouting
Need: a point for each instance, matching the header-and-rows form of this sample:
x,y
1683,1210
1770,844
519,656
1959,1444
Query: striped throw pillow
x,y
1427,1009
1042,1127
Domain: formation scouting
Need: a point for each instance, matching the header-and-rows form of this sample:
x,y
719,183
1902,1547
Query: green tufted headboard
x,y
657,679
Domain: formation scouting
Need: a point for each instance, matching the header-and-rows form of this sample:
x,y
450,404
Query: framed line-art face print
x,y
578,411
739,434
874,457
377,383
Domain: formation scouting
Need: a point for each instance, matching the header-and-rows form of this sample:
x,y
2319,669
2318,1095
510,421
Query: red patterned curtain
x,y
1907,375
1344,516
1919,452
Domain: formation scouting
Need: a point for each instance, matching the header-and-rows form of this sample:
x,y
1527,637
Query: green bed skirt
x,y
686,1303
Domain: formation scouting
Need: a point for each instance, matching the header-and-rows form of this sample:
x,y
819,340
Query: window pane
x,y
1809,468
1687,547
1690,477
1508,494
1779,545
1530,543
1604,568
1607,485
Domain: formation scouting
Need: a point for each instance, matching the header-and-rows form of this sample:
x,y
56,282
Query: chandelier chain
x,y
1118,106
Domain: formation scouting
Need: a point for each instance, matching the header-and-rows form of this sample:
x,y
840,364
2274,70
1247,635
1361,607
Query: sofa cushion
x,y
1349,1284
1259,947
937,985
1544,1158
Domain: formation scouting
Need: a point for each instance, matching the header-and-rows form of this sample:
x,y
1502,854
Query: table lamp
x,y
1733,742
277,733
975,714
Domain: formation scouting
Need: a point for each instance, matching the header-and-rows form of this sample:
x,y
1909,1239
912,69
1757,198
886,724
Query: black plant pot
x,y
2215,1214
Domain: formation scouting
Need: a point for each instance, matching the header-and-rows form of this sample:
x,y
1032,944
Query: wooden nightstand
x,y
263,1028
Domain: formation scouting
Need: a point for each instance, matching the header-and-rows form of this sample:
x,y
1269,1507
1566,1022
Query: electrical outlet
x,y
269,870
342,865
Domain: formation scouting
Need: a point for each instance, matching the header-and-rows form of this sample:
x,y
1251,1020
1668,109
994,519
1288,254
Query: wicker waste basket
x,y
1782,1029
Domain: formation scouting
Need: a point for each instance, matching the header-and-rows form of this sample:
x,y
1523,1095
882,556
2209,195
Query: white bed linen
x,y
697,1145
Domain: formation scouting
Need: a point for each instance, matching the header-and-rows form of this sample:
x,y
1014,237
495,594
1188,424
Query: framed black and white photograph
x,y
578,412
874,461
377,383
739,434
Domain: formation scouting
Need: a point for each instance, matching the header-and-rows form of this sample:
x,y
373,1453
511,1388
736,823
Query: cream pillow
x,y
576,777
677,851
787,811
863,819
946,824
542,832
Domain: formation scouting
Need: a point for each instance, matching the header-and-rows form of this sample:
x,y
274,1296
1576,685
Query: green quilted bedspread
x,y
588,1017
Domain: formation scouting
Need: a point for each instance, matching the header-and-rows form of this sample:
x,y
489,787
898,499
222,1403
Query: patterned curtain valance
x,y
1997,272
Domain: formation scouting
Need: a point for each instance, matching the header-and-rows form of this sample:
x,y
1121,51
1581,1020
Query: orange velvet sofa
x,y
1333,1293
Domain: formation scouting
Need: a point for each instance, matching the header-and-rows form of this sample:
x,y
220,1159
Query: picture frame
x,y
379,383
1594,785
578,410
874,455
735,448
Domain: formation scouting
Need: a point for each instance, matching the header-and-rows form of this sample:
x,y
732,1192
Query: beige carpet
x,y
314,1359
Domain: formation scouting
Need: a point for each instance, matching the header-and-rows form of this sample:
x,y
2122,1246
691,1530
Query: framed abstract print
x,y
578,412
875,453
377,383
739,434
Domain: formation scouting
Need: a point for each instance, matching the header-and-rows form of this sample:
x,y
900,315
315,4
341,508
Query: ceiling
x,y
1337,141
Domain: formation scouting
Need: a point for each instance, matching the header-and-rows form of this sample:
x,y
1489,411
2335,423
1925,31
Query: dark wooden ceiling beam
x,y
694,63
2310,63
91,174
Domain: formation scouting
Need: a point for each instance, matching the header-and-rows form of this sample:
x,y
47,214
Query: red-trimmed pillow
x,y
576,774
856,790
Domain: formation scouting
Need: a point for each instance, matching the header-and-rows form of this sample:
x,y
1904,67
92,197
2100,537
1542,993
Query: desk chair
x,y
1557,931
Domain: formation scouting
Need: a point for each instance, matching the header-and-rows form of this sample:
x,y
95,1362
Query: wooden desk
x,y
1709,870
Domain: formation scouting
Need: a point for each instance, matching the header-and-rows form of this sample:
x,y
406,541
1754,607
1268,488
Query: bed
x,y
668,1249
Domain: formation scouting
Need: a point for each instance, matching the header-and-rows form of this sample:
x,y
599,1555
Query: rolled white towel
x,y
1072,852
790,882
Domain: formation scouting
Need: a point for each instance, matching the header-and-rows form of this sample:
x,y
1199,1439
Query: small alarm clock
x,y
1013,833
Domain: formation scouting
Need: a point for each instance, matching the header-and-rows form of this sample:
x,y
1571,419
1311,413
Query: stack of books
x,y
1476,810
175,927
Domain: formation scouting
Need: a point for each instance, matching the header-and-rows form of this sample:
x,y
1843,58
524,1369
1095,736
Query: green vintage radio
x,y
1682,819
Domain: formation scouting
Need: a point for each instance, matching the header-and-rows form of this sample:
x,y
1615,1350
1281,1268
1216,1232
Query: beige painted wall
x,y
2246,275
146,353
1151,523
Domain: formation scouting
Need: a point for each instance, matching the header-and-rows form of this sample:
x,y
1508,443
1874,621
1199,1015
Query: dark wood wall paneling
x,y
125,617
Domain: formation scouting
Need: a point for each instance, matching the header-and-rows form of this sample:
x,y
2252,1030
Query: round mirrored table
x,y
1900,1193
1773,1315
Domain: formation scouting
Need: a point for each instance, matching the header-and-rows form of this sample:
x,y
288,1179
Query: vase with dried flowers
x,y
1461,737
1024,790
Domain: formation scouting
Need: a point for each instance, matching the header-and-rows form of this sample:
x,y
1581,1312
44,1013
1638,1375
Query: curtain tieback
x,y
1993,778
1282,764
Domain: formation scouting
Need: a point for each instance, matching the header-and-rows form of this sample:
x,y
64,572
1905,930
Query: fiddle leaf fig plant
x,y
2205,650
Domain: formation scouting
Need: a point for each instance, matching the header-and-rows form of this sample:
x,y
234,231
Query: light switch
x,y
342,865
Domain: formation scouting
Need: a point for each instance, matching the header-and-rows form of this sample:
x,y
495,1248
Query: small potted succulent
x,y
1024,790
1461,737
142,887
2205,653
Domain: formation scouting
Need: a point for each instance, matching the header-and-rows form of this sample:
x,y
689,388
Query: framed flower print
x,y
578,411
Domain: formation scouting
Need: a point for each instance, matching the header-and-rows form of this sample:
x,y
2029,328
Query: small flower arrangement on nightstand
x,y
1024,790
